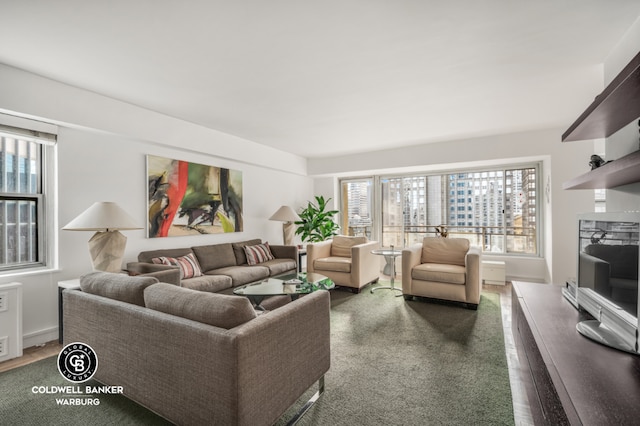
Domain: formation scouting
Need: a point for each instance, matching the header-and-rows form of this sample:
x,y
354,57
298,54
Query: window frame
x,y
451,188
45,136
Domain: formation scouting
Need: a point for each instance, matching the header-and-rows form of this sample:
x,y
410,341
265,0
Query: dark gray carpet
x,y
414,363
19,406
393,363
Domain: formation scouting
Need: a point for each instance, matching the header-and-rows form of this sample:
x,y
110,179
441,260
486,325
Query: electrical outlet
x,y
4,301
4,346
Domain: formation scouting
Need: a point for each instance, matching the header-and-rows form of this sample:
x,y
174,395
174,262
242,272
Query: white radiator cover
x,y
10,321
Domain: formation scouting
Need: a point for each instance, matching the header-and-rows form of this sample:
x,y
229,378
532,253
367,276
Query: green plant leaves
x,y
315,223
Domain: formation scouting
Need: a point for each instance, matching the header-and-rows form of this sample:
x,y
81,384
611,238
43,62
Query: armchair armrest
x,y
472,268
164,273
317,251
411,257
365,266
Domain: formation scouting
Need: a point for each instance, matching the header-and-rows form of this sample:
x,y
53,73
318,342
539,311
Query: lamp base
x,y
288,232
107,250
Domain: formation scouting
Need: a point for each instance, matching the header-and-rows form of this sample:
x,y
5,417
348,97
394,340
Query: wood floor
x,y
522,413
32,354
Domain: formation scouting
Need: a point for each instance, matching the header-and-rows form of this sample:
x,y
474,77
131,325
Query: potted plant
x,y
316,223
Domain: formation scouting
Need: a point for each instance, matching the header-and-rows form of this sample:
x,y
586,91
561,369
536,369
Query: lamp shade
x,y
102,216
285,214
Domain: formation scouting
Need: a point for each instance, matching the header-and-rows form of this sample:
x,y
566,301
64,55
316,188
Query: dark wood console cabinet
x,y
569,378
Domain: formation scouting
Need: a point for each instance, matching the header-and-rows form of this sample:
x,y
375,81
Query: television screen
x,y
608,273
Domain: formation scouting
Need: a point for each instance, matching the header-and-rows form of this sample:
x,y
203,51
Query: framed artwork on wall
x,y
190,199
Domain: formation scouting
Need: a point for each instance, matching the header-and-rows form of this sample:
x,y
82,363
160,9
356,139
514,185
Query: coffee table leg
x,y
256,301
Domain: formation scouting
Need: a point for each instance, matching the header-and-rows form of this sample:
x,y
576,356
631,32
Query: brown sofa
x,y
199,358
224,266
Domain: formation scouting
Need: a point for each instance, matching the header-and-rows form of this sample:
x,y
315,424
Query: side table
x,y
390,257
64,285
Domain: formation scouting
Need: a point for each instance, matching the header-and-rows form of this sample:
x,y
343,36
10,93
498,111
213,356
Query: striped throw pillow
x,y
189,267
258,253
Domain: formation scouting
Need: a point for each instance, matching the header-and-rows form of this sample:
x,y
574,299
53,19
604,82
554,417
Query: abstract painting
x,y
190,199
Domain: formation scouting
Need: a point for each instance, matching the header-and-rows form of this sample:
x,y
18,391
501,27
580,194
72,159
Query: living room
x,y
102,144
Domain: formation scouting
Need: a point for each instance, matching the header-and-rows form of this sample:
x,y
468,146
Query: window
x,y
499,214
22,215
357,207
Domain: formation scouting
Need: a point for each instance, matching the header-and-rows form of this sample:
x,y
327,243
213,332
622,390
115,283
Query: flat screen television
x,y
607,277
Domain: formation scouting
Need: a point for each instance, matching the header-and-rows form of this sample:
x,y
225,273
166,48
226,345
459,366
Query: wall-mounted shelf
x,y
619,172
617,106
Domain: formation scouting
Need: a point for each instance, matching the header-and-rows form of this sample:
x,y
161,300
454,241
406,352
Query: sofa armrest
x,y
164,273
317,251
284,252
411,257
365,266
472,268
281,354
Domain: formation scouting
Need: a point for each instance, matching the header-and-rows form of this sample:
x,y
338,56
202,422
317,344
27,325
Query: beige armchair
x,y
348,261
442,268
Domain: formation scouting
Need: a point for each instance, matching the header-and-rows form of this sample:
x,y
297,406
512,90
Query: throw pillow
x,y
189,267
258,253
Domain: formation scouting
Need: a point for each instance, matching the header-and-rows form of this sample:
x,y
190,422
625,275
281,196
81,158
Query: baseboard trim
x,y
39,337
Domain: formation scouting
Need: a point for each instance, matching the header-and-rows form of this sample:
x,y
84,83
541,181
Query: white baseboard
x,y
40,337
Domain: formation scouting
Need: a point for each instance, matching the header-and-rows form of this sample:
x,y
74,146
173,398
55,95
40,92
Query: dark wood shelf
x,y
617,106
619,172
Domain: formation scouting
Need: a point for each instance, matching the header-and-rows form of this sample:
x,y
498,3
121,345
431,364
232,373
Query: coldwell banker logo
x,y
77,362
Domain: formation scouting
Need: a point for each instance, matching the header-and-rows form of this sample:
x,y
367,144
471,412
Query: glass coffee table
x,y
287,284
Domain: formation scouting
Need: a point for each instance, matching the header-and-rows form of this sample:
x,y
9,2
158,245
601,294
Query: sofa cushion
x,y
209,308
341,245
188,264
334,263
280,266
115,286
259,253
440,273
238,250
450,251
243,274
215,256
210,283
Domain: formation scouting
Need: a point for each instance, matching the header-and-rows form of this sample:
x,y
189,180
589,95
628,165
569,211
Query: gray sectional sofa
x,y
224,266
199,358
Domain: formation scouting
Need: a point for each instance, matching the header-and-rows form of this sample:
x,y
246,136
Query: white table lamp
x,y
107,245
287,215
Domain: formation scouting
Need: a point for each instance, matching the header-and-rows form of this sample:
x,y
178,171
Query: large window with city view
x,y
21,201
493,208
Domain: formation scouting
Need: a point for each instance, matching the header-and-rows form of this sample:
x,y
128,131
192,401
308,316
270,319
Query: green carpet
x,y
413,363
393,363
20,406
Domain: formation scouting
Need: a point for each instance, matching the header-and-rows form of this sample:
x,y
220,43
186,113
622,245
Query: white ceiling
x,y
329,77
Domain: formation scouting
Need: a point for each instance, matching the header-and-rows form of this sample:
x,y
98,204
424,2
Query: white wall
x,y
561,162
108,163
626,140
